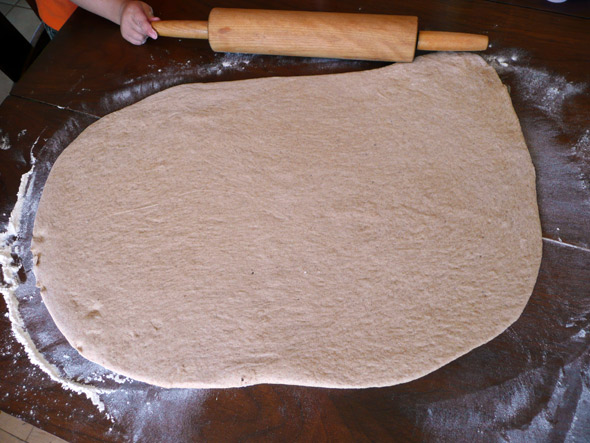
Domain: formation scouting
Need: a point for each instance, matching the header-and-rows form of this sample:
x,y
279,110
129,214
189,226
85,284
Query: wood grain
x,y
182,28
528,384
378,37
451,41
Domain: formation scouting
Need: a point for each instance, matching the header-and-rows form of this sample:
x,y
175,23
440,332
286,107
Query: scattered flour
x,y
541,89
224,62
549,93
582,146
581,154
4,142
235,60
11,282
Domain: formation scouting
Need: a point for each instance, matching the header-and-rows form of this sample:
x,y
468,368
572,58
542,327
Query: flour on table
x,y
4,142
544,90
10,285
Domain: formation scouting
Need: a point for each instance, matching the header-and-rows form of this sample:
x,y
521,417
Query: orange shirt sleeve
x,y
54,13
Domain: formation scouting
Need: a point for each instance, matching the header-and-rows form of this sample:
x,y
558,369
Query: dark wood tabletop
x,y
531,383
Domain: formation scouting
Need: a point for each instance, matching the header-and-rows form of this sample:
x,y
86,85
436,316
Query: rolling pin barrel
x,y
319,34
314,34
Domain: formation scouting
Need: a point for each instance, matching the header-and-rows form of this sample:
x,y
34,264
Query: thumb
x,y
147,9
149,13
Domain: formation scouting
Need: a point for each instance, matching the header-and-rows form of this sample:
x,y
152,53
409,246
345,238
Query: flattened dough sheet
x,y
350,230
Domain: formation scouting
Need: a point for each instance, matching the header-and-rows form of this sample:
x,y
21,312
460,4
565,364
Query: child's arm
x,y
134,17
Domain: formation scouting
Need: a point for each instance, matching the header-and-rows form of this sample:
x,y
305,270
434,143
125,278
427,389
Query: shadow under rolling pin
x,y
393,38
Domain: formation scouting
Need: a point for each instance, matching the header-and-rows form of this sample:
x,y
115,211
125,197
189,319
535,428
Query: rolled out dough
x,y
349,230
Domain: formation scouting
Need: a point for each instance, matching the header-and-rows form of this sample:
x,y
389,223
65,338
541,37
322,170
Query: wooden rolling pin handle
x,y
182,28
451,41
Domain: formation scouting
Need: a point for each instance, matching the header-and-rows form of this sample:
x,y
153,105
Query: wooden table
x,y
529,384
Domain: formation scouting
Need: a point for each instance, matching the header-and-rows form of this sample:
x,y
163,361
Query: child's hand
x,y
135,22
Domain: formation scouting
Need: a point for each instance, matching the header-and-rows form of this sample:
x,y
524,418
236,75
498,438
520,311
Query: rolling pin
x,y
391,38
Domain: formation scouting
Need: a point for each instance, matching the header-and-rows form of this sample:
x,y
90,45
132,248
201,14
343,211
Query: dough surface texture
x,y
349,230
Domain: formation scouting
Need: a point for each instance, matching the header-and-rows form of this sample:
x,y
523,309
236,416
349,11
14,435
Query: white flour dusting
x,y
541,89
239,61
581,153
4,142
550,94
11,282
547,91
224,62
582,146
13,227
227,61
